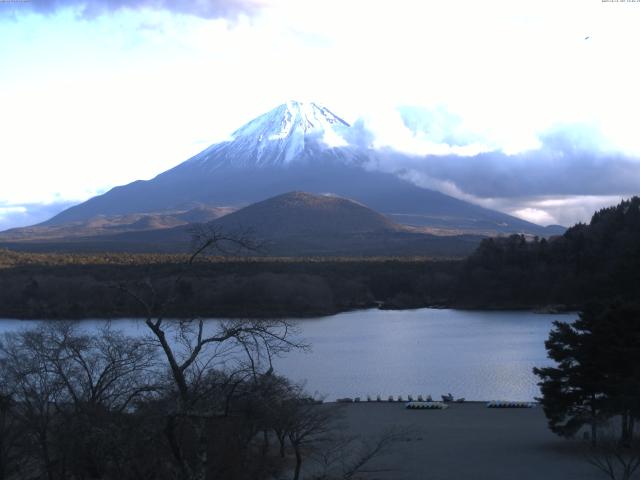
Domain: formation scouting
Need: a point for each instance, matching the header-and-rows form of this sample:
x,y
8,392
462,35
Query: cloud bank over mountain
x,y
144,84
567,172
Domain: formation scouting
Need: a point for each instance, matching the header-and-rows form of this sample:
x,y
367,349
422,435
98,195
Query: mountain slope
x,y
292,224
296,146
300,213
114,224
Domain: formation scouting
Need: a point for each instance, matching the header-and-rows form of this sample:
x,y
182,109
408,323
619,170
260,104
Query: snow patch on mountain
x,y
291,118
283,135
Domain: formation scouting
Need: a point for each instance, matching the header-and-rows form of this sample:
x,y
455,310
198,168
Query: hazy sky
x,y
527,106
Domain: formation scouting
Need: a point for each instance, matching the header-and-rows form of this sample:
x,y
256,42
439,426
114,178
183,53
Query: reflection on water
x,y
476,355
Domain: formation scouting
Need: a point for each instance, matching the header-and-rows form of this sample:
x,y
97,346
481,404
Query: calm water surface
x,y
472,354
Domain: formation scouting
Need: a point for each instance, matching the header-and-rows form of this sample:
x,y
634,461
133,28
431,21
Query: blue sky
x,y
506,103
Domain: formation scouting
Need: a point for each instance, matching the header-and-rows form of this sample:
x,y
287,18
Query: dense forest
x,y
600,260
69,286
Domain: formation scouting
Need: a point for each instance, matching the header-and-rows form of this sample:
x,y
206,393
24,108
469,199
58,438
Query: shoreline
x,y
544,310
45,286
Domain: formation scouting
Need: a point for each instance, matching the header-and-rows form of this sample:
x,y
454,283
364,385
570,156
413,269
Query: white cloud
x,y
535,215
567,210
11,210
88,105
12,216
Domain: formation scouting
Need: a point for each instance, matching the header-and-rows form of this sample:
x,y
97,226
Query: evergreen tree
x,y
573,392
598,371
619,336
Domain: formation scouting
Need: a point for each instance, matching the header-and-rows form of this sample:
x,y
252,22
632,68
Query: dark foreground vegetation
x,y
183,403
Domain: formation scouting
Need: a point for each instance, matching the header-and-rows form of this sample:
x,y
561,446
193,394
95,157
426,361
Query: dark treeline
x,y
598,261
55,286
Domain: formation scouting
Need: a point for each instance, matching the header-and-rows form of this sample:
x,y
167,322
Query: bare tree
x,y
71,392
36,390
102,375
307,424
616,459
347,457
107,370
192,347
10,437
317,432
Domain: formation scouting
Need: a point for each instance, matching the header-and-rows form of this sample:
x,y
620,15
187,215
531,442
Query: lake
x,y
479,355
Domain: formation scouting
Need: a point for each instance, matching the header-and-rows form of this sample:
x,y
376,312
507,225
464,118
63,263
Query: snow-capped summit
x,y
294,147
291,118
291,131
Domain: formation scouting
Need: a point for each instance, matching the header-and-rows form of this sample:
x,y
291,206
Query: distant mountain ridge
x,y
295,147
291,224
114,224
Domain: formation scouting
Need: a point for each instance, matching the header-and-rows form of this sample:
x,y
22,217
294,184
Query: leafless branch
x,y
613,458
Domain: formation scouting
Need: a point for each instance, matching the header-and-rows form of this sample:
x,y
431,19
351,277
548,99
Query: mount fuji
x,y
295,147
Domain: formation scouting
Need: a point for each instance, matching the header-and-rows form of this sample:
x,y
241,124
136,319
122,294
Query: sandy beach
x,y
470,441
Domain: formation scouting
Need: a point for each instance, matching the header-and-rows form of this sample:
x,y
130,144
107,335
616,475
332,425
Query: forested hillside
x,y
600,260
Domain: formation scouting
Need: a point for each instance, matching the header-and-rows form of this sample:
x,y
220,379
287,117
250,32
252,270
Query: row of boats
x,y
427,402
491,404
410,398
